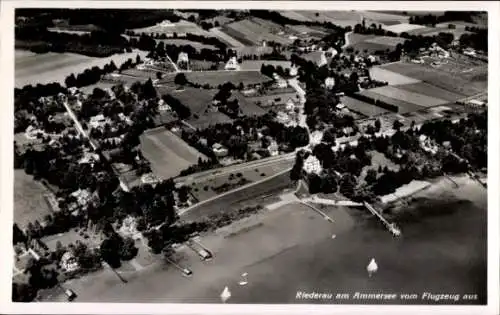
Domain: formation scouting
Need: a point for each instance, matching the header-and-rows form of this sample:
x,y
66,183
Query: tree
x,y
110,250
371,176
159,75
70,80
23,292
378,125
329,136
347,185
128,249
180,79
397,125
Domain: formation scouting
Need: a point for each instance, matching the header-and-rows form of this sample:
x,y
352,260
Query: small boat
x,y
225,295
372,267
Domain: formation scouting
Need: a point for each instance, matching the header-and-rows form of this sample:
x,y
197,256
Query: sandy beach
x,y
290,249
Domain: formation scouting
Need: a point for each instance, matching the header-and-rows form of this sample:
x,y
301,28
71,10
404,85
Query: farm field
x,y
362,108
408,96
355,38
254,31
306,30
430,90
341,18
256,64
385,18
167,153
31,68
442,79
403,27
386,40
214,78
404,107
232,42
391,77
29,203
124,79
181,27
456,32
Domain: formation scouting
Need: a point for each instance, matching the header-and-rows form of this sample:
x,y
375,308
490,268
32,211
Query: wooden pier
x,y
390,226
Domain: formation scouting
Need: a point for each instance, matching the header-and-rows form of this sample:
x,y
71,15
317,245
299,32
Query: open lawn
x,y
197,100
391,77
29,202
363,108
250,174
430,90
208,119
215,78
167,153
227,202
408,96
257,64
31,68
442,79
253,50
247,107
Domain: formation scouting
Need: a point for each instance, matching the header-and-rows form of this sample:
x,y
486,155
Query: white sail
x,y
372,267
225,295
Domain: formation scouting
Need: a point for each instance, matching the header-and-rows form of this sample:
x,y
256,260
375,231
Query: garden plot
x,y
410,97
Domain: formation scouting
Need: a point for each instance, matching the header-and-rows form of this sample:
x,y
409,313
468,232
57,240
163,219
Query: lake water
x,y
442,251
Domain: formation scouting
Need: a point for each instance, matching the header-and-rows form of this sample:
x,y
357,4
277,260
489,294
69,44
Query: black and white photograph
x,y
250,155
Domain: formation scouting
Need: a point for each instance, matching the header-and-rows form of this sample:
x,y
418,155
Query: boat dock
x,y
390,226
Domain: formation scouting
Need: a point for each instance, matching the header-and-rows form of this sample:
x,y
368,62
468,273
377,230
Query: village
x,y
221,117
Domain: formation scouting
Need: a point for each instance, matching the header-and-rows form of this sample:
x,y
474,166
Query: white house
x,y
273,148
69,263
329,82
98,121
312,165
293,71
219,150
232,64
